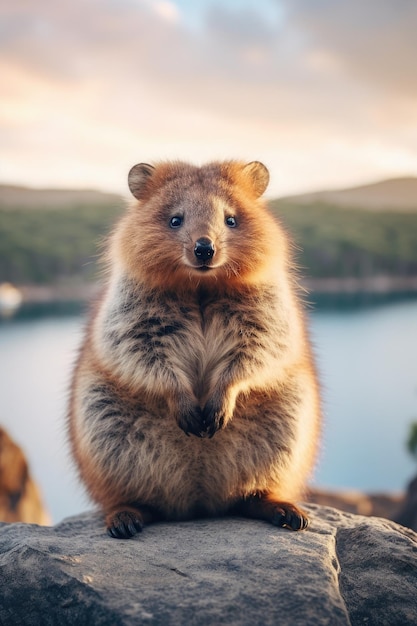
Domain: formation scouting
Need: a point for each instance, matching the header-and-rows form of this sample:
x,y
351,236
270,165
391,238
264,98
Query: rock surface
x,y
385,505
345,569
20,499
407,515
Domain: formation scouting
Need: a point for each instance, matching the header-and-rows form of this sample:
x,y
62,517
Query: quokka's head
x,y
191,225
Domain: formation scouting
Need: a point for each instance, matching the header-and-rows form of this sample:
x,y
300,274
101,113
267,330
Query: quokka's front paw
x,y
215,416
191,422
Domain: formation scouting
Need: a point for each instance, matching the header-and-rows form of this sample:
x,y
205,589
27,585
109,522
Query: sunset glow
x,y
324,93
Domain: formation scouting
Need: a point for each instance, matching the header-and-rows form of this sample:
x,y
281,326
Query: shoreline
x,y
350,286
45,294
373,285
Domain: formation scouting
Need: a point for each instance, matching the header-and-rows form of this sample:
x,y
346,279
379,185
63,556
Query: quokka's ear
x,y
137,178
259,176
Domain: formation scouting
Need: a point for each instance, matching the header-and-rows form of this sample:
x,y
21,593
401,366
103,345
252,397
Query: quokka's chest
x,y
200,341
196,334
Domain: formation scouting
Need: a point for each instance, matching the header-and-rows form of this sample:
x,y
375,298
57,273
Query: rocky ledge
x,y
20,498
345,569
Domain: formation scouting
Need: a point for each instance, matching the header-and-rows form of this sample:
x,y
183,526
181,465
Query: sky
x,y
324,92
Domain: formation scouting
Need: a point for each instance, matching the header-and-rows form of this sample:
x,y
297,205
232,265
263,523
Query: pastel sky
x,y
324,92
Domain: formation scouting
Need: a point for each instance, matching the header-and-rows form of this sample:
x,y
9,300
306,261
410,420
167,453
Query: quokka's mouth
x,y
204,267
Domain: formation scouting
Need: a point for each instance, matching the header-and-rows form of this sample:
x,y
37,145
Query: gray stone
x,y
20,497
407,516
345,569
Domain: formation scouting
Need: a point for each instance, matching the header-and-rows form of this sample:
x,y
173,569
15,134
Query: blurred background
x,y
323,92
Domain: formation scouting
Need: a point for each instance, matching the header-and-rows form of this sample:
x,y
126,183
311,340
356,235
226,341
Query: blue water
x,y
368,367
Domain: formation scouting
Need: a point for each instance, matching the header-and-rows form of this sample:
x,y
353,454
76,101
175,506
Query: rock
x,y
352,501
407,516
345,569
20,500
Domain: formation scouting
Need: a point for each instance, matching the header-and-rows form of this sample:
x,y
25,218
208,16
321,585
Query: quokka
x,y
195,392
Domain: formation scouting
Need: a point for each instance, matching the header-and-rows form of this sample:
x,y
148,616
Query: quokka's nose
x,y
204,249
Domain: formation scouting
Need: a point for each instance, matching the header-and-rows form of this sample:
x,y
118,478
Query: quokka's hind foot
x,y
282,514
124,522
287,515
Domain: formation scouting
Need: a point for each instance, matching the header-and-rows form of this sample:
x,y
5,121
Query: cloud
x,y
91,83
374,41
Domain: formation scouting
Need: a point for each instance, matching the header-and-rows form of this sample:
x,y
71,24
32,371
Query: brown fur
x,y
212,347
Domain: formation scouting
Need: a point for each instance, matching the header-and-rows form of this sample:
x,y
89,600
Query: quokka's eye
x,y
175,221
231,221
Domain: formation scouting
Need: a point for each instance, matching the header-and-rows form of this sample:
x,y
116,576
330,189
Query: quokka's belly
x,y
141,455
186,476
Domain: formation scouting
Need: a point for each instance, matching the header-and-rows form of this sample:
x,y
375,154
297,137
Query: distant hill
x,y
14,197
53,236
362,233
396,194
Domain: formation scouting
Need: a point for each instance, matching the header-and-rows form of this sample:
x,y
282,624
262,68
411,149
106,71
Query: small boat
x,y
10,299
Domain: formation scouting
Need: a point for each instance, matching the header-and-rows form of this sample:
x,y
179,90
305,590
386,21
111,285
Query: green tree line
x,y
336,242
44,246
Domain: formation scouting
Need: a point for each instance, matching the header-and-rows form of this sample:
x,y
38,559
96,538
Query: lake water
x,y
368,367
